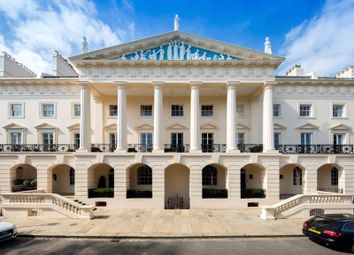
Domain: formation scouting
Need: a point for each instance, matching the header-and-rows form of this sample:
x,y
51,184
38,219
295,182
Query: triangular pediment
x,y
145,127
75,126
308,126
111,127
200,48
176,127
242,127
341,127
208,126
277,126
13,126
45,126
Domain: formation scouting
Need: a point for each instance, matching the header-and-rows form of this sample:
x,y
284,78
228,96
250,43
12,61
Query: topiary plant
x,y
102,182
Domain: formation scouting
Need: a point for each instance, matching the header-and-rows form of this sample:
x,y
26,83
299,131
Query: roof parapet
x,y
62,67
9,67
296,70
346,73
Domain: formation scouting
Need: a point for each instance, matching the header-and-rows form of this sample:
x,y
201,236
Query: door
x,y
243,182
177,142
306,141
145,142
207,142
47,141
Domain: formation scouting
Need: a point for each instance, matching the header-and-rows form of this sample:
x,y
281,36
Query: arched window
x,y
334,176
72,176
144,175
209,176
297,176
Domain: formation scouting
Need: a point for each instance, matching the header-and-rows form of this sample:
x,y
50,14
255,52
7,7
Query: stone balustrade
x,y
14,202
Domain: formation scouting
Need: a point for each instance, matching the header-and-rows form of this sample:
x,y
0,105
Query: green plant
x,y
100,192
101,182
139,194
214,193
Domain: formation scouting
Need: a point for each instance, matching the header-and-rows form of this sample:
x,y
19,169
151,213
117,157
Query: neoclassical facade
x,y
175,121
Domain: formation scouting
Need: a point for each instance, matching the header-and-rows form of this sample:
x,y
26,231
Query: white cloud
x,y
56,25
324,44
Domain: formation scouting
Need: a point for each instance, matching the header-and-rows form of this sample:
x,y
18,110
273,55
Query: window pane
x,y
48,110
207,110
146,110
209,176
177,110
240,110
338,110
144,175
276,110
16,110
77,110
305,110
277,139
113,110
240,138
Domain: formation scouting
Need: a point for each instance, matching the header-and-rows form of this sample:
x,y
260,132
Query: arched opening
x,y
177,187
101,181
23,178
63,179
139,181
253,181
329,178
291,180
214,181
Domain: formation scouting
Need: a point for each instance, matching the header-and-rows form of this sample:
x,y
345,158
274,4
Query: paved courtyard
x,y
161,223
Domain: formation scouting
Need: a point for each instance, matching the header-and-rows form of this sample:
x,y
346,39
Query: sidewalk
x,y
161,223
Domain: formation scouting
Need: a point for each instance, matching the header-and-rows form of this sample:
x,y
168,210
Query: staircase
x,y
304,206
43,204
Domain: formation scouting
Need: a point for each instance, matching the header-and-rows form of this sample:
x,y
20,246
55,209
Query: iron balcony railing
x,y
213,147
250,147
101,147
140,147
316,149
38,147
176,147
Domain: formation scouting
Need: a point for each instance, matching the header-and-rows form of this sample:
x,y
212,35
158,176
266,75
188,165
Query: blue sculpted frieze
x,y
177,50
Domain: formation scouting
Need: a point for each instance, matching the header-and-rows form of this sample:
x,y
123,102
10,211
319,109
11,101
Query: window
x,y
277,139
306,138
305,110
240,110
334,176
113,110
177,139
338,110
16,138
16,110
144,175
146,141
276,110
77,110
207,142
48,110
72,176
348,227
112,138
77,140
207,110
240,138
209,176
176,110
146,110
338,139
297,176
47,138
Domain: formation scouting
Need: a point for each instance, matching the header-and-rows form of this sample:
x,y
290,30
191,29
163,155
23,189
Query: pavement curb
x,y
112,238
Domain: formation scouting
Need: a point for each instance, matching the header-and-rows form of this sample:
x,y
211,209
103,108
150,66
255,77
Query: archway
x,y
177,187
139,181
329,178
291,180
214,181
63,179
101,181
23,178
252,180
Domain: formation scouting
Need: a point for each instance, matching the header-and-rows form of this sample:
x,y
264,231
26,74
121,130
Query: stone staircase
x,y
304,206
21,204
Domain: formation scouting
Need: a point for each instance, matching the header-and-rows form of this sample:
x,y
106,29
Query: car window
x,y
322,223
348,227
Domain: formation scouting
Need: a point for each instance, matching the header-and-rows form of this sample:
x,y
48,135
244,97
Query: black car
x,y
335,230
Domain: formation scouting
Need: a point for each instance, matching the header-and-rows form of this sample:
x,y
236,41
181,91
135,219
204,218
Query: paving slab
x,y
161,223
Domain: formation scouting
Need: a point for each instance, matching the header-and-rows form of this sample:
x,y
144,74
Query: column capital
x,y
83,84
269,84
157,83
195,83
232,84
120,84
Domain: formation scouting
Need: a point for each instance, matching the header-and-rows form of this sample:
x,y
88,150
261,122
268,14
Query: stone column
x,y
268,140
231,145
194,121
98,113
121,117
158,115
85,120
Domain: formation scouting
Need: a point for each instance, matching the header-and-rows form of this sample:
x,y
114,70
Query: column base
x,y
157,151
120,151
195,151
83,150
270,151
233,151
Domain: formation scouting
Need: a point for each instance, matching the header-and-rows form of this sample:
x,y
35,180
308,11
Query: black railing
x,y
213,147
98,147
316,149
139,148
250,147
176,148
38,147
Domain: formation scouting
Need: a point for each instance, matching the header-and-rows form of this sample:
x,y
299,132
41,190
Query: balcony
x,y
38,147
316,149
250,148
176,148
98,147
140,147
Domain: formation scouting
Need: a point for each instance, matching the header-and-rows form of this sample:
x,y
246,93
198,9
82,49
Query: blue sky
x,y
314,33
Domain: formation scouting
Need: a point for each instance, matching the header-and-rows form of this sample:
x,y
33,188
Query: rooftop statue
x,y
267,46
176,23
84,46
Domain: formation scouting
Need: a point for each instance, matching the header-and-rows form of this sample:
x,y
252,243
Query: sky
x,y
318,34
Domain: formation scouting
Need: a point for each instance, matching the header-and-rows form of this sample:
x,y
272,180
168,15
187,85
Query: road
x,y
244,246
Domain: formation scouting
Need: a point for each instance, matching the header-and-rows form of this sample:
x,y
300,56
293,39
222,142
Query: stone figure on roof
x,y
182,51
84,45
169,51
267,46
175,51
161,53
176,23
189,53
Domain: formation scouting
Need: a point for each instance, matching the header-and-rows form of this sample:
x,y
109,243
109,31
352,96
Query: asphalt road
x,y
264,246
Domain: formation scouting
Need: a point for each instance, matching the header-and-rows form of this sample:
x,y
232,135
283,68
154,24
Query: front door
x,y
177,142
207,142
243,181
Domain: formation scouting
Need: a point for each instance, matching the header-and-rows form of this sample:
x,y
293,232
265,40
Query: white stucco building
x,y
175,121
